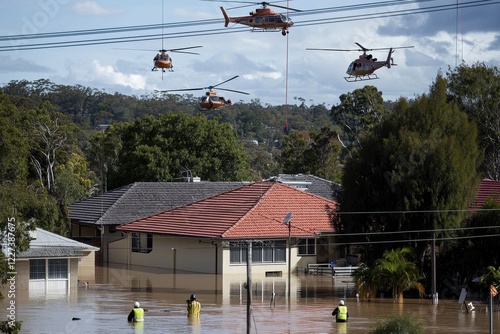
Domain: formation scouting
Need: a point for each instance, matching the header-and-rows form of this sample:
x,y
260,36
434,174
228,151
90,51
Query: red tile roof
x,y
256,210
487,189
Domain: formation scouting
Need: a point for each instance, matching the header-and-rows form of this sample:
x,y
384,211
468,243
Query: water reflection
x,y
103,306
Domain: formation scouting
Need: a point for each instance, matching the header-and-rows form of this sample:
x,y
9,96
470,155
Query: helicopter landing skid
x,y
365,77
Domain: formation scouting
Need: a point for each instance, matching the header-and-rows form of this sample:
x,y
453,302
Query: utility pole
x,y
433,260
249,286
287,220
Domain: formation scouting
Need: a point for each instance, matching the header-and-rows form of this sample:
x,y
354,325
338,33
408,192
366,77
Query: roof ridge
x,y
119,199
254,207
63,239
185,205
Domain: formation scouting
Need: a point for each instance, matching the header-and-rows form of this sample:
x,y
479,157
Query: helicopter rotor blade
x,y
234,91
284,7
333,49
186,52
149,50
186,48
179,90
223,82
379,49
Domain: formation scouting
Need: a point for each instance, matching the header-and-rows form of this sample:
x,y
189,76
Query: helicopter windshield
x,y
283,18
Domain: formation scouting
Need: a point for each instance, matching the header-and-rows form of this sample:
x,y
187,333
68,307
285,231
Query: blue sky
x,y
441,39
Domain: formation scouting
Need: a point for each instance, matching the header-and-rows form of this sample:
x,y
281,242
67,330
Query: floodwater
x,y
103,306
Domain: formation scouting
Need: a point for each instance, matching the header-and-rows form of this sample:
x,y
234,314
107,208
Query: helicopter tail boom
x,y
226,17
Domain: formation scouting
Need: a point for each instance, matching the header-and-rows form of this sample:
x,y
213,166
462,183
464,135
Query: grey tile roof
x,y
143,199
313,184
47,244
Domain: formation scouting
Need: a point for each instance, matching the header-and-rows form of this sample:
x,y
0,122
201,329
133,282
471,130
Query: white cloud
x,y
92,8
109,75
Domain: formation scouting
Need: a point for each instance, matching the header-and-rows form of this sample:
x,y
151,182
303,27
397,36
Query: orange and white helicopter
x,y
210,100
164,61
364,67
262,18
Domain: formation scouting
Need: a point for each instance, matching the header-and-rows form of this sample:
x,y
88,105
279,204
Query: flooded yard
x,y
103,306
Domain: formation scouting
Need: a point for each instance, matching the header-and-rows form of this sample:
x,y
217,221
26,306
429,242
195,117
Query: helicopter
x,y
164,61
262,18
364,67
210,100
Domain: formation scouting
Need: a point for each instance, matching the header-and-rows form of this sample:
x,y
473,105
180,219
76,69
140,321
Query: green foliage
x,y
10,327
395,272
399,324
365,281
476,90
421,157
160,149
491,277
315,153
356,113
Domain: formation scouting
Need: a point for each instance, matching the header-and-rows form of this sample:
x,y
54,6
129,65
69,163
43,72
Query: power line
x,y
197,33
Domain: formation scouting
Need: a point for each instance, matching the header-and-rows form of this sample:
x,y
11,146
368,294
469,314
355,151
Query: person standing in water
x,y
193,306
137,313
340,313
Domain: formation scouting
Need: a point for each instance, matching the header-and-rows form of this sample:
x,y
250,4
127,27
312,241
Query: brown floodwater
x,y
103,306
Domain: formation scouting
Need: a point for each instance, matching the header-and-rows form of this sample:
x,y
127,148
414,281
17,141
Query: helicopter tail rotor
x,y
389,60
226,17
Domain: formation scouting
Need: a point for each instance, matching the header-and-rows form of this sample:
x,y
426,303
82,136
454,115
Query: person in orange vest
x,y
193,306
137,313
340,313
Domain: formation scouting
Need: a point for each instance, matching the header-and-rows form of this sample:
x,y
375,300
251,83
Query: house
x,y
53,263
94,220
212,235
487,189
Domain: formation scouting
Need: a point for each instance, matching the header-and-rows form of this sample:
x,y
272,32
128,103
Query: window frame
x,y
306,244
273,251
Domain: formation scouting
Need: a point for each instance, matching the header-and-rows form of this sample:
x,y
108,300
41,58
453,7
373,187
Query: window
x,y
41,269
142,242
237,253
262,252
58,268
307,247
37,269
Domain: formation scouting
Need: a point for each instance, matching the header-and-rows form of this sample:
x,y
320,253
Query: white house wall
x,y
194,255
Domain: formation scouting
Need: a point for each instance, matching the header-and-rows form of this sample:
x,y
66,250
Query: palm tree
x,y
364,279
491,279
396,272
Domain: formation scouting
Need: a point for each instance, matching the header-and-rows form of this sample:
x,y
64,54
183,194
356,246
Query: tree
x,y
159,149
312,153
421,157
356,113
476,90
49,133
397,272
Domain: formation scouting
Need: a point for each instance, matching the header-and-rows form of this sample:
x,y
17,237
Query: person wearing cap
x,y
137,313
340,313
193,306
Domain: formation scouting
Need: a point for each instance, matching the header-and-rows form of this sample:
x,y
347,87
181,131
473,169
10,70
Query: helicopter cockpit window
x,y
282,18
351,67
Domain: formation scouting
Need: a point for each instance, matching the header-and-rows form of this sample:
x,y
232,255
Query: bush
x,y
399,324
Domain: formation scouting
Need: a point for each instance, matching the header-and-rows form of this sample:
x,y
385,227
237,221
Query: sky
x,y
273,69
